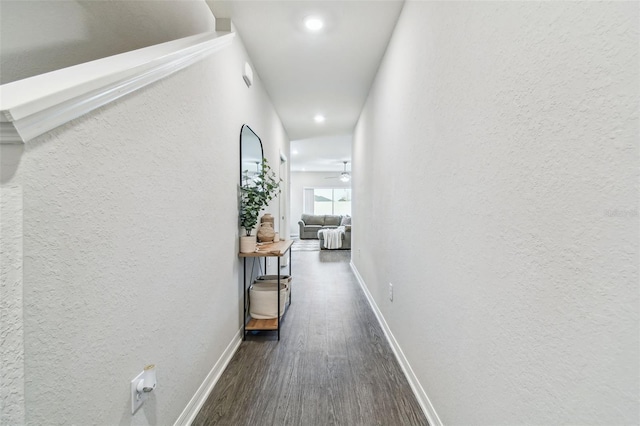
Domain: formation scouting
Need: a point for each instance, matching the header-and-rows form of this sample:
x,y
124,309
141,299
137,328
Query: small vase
x,y
268,218
266,232
248,244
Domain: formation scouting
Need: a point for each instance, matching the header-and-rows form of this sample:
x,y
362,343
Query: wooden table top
x,y
270,250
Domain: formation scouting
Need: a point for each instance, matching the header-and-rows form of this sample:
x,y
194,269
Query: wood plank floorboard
x,y
332,365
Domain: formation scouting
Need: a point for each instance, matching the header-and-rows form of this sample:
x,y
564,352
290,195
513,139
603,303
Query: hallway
x,y
332,366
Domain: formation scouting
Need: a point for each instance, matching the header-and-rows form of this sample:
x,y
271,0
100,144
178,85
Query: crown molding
x,y
36,105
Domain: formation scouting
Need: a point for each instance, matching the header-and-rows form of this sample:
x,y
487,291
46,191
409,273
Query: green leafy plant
x,y
255,194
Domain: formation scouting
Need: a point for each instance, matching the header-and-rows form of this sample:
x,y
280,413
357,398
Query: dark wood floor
x,y
332,366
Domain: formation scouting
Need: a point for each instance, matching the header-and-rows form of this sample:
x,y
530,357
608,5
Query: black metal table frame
x,y
245,289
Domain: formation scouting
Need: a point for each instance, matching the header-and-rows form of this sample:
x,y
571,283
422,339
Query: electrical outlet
x,y
136,398
141,385
391,292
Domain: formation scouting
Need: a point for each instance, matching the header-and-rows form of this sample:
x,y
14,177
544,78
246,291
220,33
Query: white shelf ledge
x,y
36,105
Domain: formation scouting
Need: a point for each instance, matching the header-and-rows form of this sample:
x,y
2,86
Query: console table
x,y
276,250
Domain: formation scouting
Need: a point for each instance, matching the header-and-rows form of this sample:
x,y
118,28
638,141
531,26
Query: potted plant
x,y
255,194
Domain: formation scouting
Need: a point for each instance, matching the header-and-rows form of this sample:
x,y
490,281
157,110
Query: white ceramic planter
x,y
248,244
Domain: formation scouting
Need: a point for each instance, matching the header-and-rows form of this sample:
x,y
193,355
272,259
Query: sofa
x,y
346,239
310,224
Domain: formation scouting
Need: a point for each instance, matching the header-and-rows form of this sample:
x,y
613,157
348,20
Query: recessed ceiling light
x,y
319,118
313,23
294,152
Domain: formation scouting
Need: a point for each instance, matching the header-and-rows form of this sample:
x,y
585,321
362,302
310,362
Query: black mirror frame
x,y
259,141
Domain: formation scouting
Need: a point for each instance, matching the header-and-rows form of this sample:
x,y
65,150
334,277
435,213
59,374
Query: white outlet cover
x,y
136,398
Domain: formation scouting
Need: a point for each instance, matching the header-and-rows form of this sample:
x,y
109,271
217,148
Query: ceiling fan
x,y
345,176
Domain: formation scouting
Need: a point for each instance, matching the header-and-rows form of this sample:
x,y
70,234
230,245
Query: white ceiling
x,y
329,72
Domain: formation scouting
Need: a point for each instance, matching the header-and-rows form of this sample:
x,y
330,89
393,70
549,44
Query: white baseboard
x,y
416,387
195,404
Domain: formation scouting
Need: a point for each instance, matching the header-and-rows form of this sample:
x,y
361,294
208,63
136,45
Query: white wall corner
x,y
416,387
197,401
36,105
223,24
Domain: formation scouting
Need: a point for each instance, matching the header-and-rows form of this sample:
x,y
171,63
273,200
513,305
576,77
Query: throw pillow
x,y
345,221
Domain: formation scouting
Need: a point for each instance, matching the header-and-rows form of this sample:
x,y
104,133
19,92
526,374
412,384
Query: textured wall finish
x,y
71,32
511,209
11,316
130,239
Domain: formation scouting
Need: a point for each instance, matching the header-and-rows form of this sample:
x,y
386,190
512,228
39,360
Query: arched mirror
x,y
250,155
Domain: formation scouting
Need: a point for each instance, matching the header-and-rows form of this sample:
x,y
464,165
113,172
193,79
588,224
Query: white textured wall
x,y
11,315
510,211
302,180
130,240
39,36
